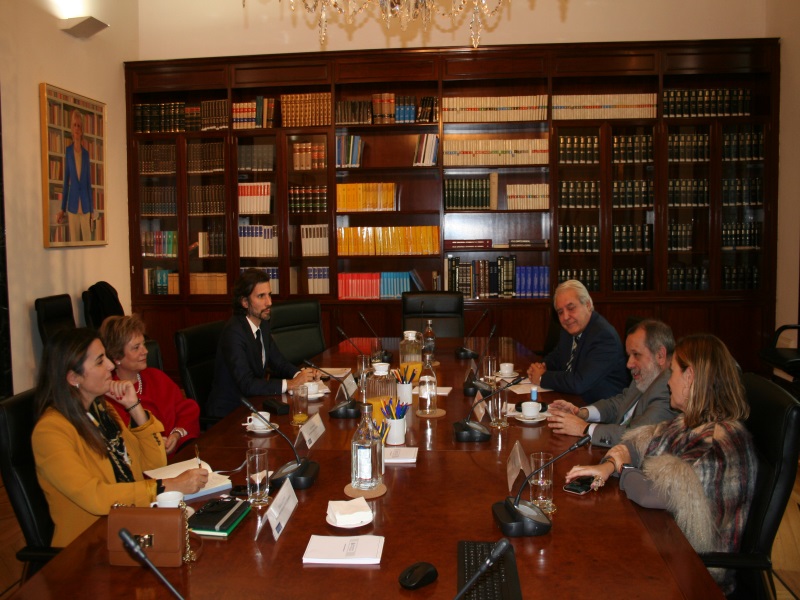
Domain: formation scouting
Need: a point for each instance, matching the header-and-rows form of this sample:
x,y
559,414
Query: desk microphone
x,y
348,340
500,548
133,546
386,356
345,409
471,384
302,472
465,352
524,519
473,431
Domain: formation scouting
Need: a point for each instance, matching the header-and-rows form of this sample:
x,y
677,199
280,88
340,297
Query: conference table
x,y
601,545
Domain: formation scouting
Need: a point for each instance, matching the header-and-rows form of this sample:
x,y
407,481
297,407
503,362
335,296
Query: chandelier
x,y
404,11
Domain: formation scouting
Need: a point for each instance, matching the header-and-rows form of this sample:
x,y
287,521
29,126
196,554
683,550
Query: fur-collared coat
x,y
706,478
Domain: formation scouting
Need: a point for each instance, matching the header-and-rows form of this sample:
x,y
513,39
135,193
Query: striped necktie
x,y
572,354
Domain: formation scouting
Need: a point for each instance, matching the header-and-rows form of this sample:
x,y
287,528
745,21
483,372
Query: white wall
x,y
33,50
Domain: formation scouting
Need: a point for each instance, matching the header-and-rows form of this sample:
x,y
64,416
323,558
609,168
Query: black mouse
x,y
418,575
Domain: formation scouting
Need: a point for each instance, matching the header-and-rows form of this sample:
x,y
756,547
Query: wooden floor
x,y
785,552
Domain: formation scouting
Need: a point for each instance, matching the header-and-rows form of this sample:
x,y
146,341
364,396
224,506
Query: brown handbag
x,y
161,532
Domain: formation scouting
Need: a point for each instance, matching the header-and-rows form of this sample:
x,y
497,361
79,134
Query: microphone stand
x,y
386,356
523,518
471,384
500,548
133,546
463,352
473,431
347,408
348,340
302,472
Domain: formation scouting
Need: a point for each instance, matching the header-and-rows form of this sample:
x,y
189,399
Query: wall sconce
x,y
82,27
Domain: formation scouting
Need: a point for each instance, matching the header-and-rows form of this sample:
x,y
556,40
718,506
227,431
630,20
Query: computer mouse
x,y
418,575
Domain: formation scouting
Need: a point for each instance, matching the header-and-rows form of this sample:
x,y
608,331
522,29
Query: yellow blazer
x,y
79,484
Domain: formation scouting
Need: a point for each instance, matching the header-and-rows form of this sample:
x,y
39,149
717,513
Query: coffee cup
x,y
531,409
506,368
168,500
312,387
253,422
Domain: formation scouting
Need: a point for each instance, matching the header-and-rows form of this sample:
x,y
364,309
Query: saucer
x,y
523,419
331,522
260,430
316,396
506,375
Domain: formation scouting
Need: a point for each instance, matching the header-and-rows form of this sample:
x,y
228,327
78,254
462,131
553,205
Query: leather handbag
x,y
161,532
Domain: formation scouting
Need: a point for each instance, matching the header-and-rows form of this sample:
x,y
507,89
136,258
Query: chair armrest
x,y
725,560
40,554
776,336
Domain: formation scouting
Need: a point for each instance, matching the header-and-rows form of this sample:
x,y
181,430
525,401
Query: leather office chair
x,y
197,351
445,308
296,328
775,424
19,476
54,313
101,300
785,359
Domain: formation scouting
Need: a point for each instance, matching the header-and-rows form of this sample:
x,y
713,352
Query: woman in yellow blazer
x,y
86,459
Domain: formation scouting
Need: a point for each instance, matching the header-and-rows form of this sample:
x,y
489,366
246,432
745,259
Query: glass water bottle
x,y
429,338
381,387
410,355
367,453
427,386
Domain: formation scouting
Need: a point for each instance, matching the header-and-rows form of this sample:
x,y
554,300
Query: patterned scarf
x,y
110,431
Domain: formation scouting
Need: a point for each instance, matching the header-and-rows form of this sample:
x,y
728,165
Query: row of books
x,y
157,159
255,198
688,192
578,238
679,237
206,200
397,240
55,169
714,102
632,238
579,194
212,115
629,279
208,283
160,244
687,278
257,241
309,156
159,117
211,243
373,286
528,196
748,191
633,193
579,149
366,197
205,157
471,193
489,109
688,147
495,152
427,150
589,277
160,281
740,278
605,106
308,198
254,114
314,240
255,157
629,149
490,279
742,235
349,150
743,146
353,112
158,200
319,280
306,110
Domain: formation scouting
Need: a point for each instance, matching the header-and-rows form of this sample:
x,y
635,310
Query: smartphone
x,y
239,491
580,486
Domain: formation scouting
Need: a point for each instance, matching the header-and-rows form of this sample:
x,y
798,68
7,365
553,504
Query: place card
x,y
281,508
312,430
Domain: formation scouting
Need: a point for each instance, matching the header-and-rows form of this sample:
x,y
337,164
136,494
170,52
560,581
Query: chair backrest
x,y
775,424
296,328
197,351
445,308
154,358
101,300
54,313
18,469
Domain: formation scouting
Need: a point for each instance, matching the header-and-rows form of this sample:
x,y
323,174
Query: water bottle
x,y
427,386
429,338
410,355
367,453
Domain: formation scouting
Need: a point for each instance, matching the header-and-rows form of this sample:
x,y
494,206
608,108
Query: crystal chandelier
x,y
404,11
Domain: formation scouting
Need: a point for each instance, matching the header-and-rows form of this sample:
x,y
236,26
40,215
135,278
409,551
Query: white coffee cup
x,y
254,422
168,500
506,368
313,388
530,409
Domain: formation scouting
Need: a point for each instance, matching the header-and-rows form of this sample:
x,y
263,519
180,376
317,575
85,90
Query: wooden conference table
x,y
601,545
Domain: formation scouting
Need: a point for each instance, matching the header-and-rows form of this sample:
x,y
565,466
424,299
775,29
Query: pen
x,y
197,454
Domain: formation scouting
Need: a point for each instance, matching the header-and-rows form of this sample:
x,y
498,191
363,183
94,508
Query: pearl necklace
x,y
139,384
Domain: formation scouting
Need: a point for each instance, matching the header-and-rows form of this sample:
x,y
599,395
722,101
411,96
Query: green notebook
x,y
218,517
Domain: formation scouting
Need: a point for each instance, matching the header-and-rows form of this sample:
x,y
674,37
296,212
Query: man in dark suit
x,y
246,352
649,345
589,360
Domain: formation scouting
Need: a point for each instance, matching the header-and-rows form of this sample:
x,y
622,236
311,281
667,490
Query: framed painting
x,y
73,169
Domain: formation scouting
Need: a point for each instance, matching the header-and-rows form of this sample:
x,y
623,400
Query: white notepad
x,y
334,550
216,483
400,456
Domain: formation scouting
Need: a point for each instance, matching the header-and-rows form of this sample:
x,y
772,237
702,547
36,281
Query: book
x,y
216,483
336,550
219,517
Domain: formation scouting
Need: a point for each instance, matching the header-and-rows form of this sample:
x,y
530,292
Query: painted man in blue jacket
x,y
76,202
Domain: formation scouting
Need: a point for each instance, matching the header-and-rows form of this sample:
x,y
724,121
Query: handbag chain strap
x,y
189,555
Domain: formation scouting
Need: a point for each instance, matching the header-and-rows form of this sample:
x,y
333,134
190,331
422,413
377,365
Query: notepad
x,y
400,456
334,550
216,483
219,517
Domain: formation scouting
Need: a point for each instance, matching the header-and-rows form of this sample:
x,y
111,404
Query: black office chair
x,y
19,476
54,313
197,351
775,424
445,308
785,359
101,300
296,328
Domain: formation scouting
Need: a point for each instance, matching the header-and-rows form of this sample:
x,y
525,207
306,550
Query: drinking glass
x,y
497,413
300,406
257,477
542,482
363,365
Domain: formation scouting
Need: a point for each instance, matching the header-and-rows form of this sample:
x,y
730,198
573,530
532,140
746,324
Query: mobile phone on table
x,y
580,486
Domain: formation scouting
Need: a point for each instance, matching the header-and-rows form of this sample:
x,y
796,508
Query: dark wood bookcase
x,y
660,193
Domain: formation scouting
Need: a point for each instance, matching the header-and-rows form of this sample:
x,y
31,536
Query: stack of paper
x,y
345,513
358,550
216,483
399,456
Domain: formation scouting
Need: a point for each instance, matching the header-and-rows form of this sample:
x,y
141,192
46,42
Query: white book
x,y
400,456
335,550
216,483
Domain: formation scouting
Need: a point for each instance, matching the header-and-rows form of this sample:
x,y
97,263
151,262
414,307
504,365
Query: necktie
x,y
261,344
629,415
572,354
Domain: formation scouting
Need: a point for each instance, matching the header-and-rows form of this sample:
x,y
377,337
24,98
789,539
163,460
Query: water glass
x,y
300,406
257,477
427,395
363,365
497,412
542,483
489,369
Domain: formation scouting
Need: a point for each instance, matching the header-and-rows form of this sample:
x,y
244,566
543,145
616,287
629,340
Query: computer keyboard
x,y
500,581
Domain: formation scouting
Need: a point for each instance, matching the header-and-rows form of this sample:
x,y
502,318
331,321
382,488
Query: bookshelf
x,y
647,170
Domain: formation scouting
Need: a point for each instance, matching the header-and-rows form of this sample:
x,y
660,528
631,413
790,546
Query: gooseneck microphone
x,y
133,546
345,409
463,351
348,340
471,384
495,553
523,518
473,431
386,356
302,472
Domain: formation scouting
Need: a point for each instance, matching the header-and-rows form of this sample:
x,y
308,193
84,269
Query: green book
x,y
219,517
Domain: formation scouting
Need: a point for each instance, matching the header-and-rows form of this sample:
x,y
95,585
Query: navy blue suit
x,y
237,370
599,368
